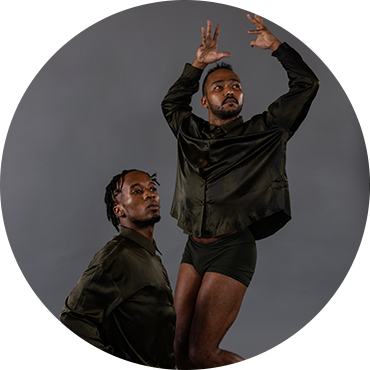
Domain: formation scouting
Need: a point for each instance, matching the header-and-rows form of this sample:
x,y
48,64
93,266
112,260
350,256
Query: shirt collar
x,y
144,242
227,126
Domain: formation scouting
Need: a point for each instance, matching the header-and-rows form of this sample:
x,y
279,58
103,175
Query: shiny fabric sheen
x,y
123,303
244,183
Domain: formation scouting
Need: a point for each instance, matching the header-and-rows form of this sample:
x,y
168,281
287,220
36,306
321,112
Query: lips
x,y
153,206
229,100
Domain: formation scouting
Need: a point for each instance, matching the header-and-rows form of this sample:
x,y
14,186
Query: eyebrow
x,y
231,79
139,184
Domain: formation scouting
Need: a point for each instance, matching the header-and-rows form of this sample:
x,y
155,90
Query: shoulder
x,y
113,251
192,126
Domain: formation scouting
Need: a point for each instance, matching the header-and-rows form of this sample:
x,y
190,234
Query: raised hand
x,y
207,52
265,39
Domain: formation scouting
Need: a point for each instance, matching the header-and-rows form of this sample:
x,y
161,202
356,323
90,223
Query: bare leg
x,y
217,306
186,292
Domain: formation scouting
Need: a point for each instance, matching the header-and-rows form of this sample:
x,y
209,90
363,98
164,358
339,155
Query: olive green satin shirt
x,y
123,302
244,183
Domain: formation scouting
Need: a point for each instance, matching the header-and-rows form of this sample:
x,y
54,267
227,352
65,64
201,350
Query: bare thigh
x,y
205,309
217,306
186,292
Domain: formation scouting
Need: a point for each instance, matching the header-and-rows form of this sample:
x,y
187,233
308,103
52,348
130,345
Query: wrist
x,y
199,65
274,46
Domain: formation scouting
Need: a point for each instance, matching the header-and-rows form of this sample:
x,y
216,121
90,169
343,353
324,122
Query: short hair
x,y
113,189
222,65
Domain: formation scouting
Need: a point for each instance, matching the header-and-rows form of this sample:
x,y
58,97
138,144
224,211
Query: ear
x,y
119,211
204,102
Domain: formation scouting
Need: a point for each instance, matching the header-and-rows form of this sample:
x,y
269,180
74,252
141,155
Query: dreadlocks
x,y
113,189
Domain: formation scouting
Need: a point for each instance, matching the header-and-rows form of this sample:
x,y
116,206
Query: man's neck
x,y
216,121
147,230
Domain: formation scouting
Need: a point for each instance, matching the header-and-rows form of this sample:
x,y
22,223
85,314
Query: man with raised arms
x,y
231,188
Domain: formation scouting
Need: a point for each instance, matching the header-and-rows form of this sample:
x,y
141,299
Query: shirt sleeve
x,y
176,104
290,109
91,301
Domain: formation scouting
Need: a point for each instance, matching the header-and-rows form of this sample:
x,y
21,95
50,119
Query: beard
x,y
221,112
143,223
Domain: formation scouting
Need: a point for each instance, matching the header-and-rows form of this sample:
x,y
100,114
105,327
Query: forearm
x,y
86,338
294,65
176,103
90,303
291,108
199,65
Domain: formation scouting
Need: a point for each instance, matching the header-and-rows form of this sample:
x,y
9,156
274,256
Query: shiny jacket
x,y
245,182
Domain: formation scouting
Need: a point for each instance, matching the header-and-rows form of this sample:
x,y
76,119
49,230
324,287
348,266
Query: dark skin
x,y
137,206
138,203
207,306
223,84
223,97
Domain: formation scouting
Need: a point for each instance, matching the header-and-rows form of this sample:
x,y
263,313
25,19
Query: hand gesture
x,y
207,51
265,39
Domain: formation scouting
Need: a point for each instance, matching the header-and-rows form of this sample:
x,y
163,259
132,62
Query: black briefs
x,y
234,256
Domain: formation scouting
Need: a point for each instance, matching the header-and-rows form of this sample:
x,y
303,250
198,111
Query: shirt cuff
x,y
192,72
281,50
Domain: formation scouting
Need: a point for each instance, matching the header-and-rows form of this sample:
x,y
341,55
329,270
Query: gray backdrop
x,y
94,109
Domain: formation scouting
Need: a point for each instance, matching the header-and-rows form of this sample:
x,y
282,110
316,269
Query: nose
x,y
149,194
229,92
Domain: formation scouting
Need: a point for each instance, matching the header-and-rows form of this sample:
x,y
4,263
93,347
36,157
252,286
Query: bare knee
x,y
181,347
201,355
182,358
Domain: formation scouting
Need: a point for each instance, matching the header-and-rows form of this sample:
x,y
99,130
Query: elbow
x,y
63,318
166,109
315,87
315,83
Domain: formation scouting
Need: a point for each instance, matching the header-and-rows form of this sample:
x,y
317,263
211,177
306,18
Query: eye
x,y
236,86
219,87
136,191
153,189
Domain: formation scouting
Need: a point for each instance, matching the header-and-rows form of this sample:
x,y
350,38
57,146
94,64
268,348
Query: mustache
x,y
230,97
151,204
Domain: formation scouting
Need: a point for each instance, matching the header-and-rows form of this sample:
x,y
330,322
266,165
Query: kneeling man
x,y
123,302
